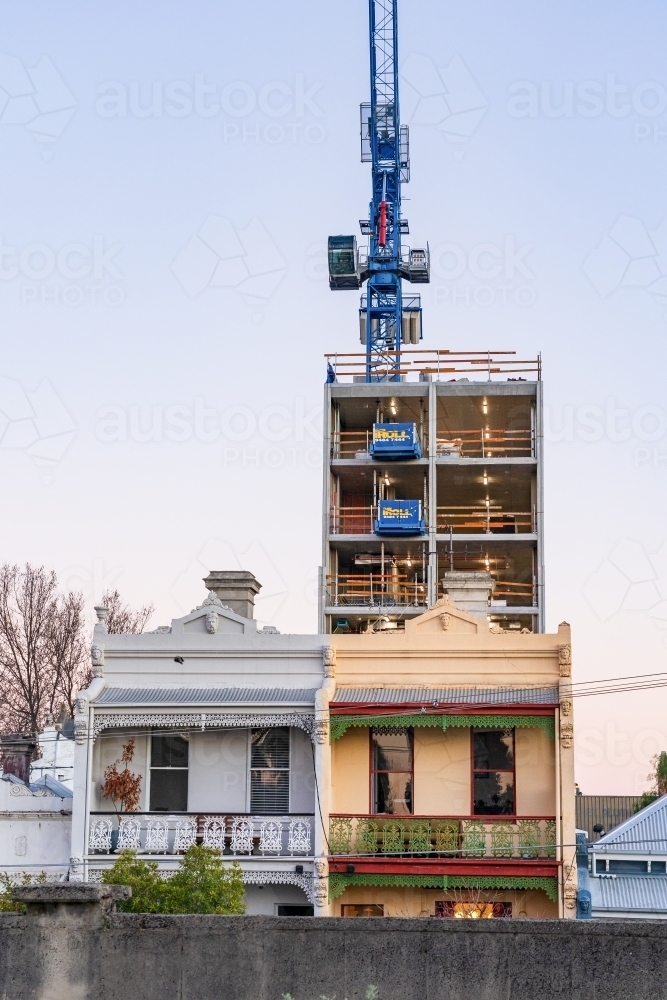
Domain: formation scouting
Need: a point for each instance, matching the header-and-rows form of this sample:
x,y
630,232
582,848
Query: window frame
x,y
474,770
151,769
373,772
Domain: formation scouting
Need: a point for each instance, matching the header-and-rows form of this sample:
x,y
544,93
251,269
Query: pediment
x,y
212,617
445,617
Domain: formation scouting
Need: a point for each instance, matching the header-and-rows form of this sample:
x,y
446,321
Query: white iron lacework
x,y
298,720
129,834
271,836
214,832
258,877
100,835
185,835
157,836
241,842
299,836
304,882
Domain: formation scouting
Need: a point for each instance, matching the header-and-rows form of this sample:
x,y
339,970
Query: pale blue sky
x,y
93,220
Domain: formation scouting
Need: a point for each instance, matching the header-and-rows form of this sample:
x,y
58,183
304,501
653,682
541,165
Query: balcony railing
x,y
485,443
479,518
236,835
443,837
375,589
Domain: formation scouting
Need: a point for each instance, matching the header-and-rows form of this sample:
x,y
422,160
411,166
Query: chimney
x,y
17,753
469,591
235,588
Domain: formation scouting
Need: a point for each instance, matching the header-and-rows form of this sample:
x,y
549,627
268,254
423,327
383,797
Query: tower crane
x,y
387,317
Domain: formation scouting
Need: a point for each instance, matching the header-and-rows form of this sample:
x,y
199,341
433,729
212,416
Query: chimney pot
x,y
17,753
470,591
235,588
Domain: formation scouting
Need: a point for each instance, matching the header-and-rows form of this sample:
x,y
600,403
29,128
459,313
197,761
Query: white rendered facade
x,y
218,686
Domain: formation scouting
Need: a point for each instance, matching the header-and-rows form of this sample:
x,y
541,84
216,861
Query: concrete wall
x,y
262,958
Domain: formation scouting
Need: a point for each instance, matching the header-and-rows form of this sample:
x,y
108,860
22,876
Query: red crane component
x,y
382,227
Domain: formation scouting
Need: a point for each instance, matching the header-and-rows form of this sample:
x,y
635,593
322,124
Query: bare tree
x,y
69,649
28,604
122,618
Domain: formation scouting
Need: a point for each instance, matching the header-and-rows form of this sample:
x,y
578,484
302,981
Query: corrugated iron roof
x,y
451,696
642,893
206,696
645,831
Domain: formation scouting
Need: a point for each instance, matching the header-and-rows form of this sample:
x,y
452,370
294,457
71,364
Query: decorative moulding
x,y
341,723
109,720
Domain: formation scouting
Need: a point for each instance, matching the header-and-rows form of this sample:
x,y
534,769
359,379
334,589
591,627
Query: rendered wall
x,y
262,958
535,773
420,902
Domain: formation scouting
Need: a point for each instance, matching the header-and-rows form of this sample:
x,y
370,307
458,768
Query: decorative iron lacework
x,y
339,883
341,723
304,882
264,877
109,720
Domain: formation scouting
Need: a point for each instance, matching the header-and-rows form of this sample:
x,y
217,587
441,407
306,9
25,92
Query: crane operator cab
x,y
343,262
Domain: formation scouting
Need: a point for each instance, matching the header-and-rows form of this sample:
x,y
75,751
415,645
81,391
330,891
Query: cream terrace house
x,y
451,789
221,716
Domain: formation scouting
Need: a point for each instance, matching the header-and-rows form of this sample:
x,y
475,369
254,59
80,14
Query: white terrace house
x,y
223,719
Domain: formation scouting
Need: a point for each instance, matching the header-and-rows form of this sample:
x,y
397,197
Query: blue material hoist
x,y
387,318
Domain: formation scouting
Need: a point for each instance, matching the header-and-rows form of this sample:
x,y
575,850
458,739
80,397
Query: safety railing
x,y
375,589
485,443
159,833
356,444
352,520
442,836
439,365
480,518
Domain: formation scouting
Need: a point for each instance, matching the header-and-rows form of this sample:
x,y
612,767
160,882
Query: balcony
x,y
485,443
480,519
442,837
236,836
375,590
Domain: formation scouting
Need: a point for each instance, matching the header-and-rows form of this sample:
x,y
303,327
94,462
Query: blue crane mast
x,y
387,318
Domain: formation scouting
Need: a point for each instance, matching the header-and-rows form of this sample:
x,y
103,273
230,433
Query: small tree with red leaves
x,y
122,785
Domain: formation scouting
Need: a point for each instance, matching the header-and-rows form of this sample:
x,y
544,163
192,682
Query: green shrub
x,y
8,882
201,884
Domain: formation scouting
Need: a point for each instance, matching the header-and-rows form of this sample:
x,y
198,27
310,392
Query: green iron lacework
x,y
339,883
341,723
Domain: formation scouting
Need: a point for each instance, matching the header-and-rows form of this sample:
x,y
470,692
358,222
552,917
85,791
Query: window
x,y
269,771
472,911
362,910
391,771
493,772
169,773
621,866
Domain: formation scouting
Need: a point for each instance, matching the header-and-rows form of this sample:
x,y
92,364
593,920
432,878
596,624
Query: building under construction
x,y
433,459
428,481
